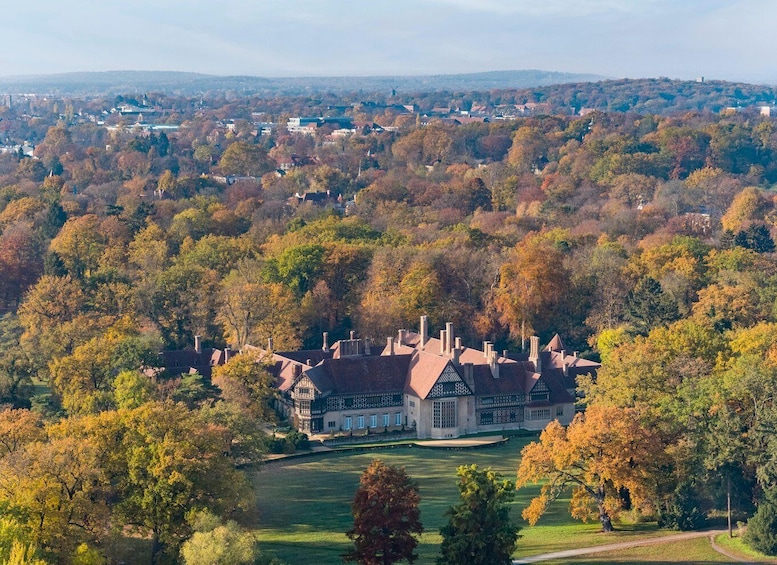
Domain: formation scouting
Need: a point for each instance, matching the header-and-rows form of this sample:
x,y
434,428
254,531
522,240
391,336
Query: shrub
x,y
682,510
761,532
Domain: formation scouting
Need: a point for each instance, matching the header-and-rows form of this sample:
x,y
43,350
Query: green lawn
x,y
737,546
304,505
688,552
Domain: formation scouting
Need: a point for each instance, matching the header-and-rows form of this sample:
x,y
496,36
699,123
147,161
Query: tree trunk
x,y
728,504
604,518
156,548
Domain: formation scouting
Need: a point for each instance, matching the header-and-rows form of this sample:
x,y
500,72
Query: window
x,y
448,388
396,399
303,390
486,418
541,414
331,424
398,418
444,414
373,420
559,411
348,402
360,422
386,420
348,423
412,404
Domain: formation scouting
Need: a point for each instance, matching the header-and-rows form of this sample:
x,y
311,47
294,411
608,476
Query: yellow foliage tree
x,y
748,205
602,452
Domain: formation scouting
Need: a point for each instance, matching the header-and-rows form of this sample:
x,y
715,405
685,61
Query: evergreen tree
x,y
479,529
648,306
756,237
761,532
760,239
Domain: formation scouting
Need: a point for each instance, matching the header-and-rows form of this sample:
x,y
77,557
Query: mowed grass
x,y
737,546
688,552
304,505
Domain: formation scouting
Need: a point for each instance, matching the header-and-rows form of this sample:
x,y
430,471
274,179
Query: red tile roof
x,y
360,375
425,369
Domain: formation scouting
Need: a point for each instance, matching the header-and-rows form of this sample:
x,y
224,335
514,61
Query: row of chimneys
x,y
198,348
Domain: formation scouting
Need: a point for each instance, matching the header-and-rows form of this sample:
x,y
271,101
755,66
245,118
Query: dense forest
x,y
645,240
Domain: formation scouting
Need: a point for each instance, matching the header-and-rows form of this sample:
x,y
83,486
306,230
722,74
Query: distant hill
x,y
121,82
645,96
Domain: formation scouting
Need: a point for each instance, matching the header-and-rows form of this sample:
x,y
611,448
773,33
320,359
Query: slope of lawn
x,y
737,546
688,552
304,504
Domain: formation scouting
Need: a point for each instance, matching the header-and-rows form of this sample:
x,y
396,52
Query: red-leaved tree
x,y
386,518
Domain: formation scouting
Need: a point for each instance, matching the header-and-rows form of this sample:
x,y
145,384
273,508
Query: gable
x,y
540,391
449,384
304,386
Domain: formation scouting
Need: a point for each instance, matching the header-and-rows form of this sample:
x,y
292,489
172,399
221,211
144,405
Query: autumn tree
x,y
245,381
748,206
21,262
79,244
529,149
533,285
84,378
252,310
479,529
18,428
182,303
386,517
54,484
166,461
604,452
214,543
245,159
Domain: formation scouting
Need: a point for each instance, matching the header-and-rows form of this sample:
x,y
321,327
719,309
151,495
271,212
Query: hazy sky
x,y
727,39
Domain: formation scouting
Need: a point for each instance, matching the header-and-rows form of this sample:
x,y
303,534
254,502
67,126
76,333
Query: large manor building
x,y
434,386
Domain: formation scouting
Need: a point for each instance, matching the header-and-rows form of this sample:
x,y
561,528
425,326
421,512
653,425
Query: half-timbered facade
x,y
436,387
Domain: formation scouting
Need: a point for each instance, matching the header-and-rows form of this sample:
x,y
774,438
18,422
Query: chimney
x,y
401,336
390,345
563,356
458,344
309,362
269,344
443,341
296,370
367,346
456,356
504,353
353,334
449,336
534,353
227,354
575,354
469,376
485,349
493,364
424,330
325,347
566,369
198,344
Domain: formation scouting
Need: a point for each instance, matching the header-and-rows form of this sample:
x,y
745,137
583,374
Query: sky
x,y
717,39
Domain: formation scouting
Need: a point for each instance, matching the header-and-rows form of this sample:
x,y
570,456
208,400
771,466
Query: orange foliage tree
x,y
603,453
